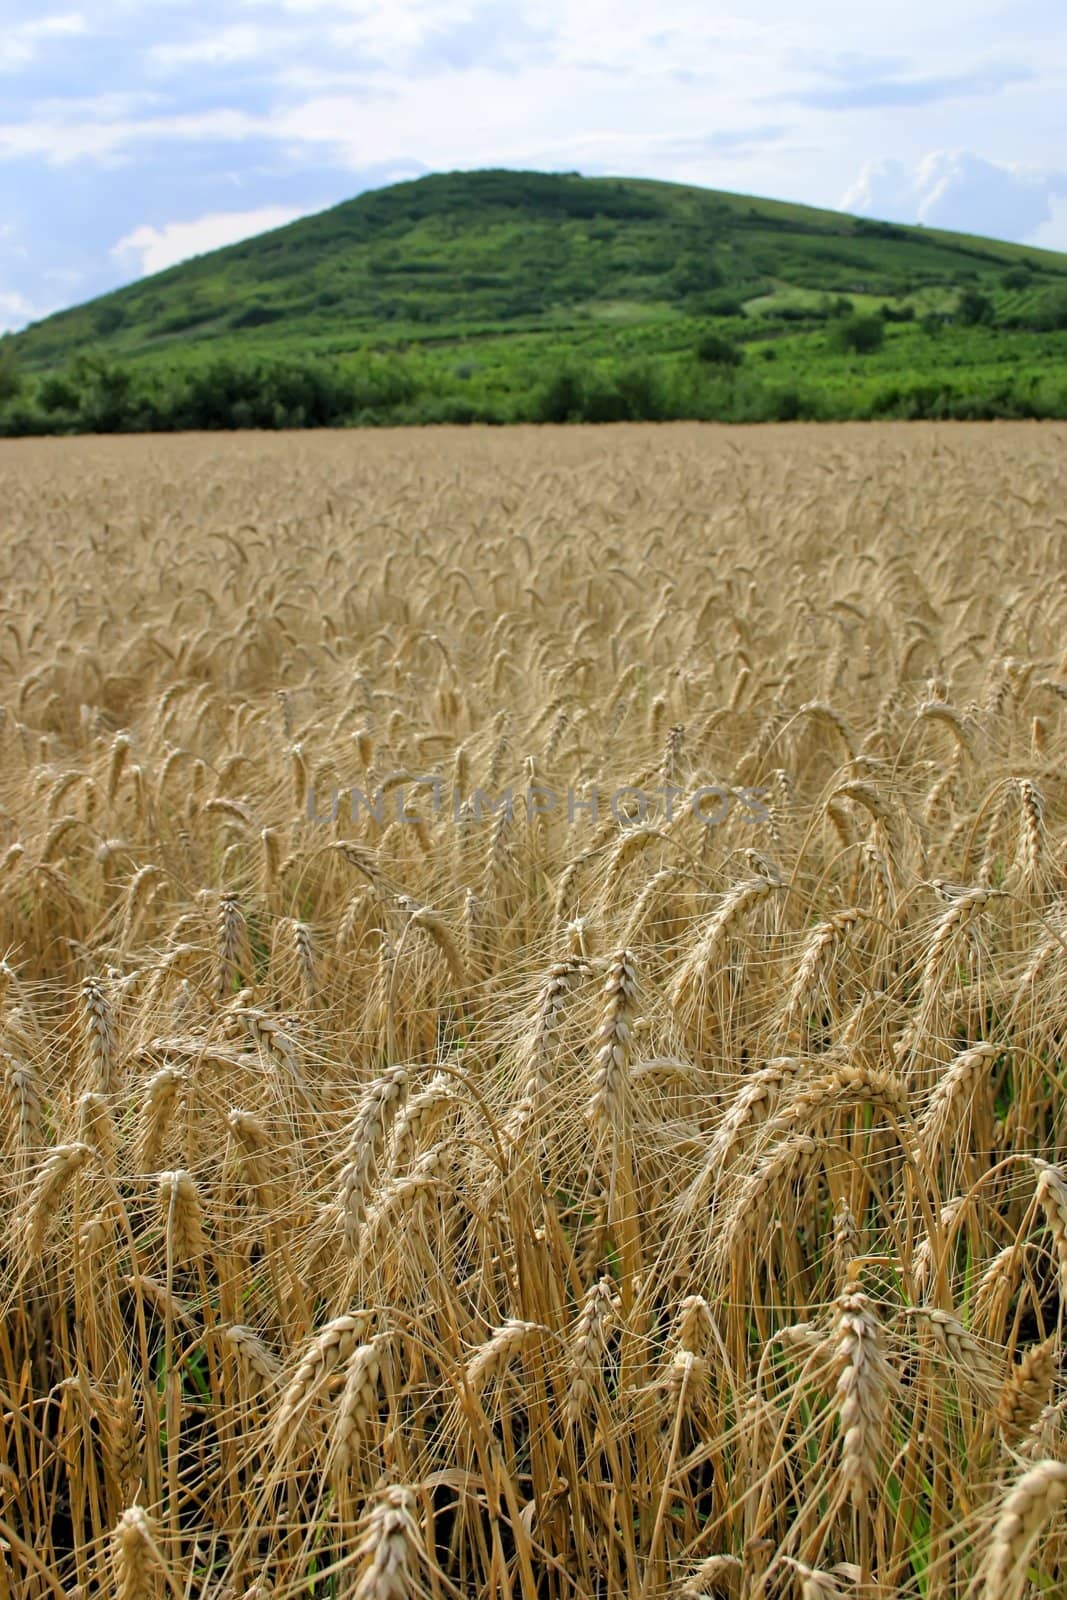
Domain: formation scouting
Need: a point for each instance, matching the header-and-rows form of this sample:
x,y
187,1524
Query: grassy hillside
x,y
469,291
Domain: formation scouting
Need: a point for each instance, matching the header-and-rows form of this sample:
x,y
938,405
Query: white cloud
x,y
9,245
62,139
19,44
111,106
155,249
223,47
382,32
884,189
272,103
1053,235
15,311
960,191
595,36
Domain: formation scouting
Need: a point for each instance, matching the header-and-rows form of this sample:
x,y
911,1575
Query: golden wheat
x,y
532,1043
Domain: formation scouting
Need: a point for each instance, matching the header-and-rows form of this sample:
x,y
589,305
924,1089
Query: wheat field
x,y
622,1151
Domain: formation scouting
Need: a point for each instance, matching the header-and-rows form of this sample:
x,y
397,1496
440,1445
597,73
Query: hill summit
x,y
473,289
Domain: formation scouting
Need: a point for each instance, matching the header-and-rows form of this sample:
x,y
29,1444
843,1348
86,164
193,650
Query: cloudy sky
x,y
134,133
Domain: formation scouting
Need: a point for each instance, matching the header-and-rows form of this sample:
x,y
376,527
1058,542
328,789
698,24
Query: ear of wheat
x,y
531,986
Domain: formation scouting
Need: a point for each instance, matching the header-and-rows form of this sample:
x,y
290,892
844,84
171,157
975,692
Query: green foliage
x,y
859,335
256,315
974,308
95,395
1049,314
10,378
696,273
561,399
799,313
631,394
108,318
499,296
448,254
57,393
890,313
719,352
104,394
723,304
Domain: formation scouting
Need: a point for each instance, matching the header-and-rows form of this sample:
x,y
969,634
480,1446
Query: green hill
x,y
463,293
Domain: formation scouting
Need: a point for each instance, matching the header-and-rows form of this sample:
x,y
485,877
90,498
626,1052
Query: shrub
x,y
723,305
603,402
716,351
630,394
694,273
108,318
190,316
93,395
451,410
641,394
789,404
974,309
1049,314
560,400
10,380
20,420
256,315
55,393
859,335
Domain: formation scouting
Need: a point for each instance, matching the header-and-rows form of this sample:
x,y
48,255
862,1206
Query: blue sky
x,y
134,133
